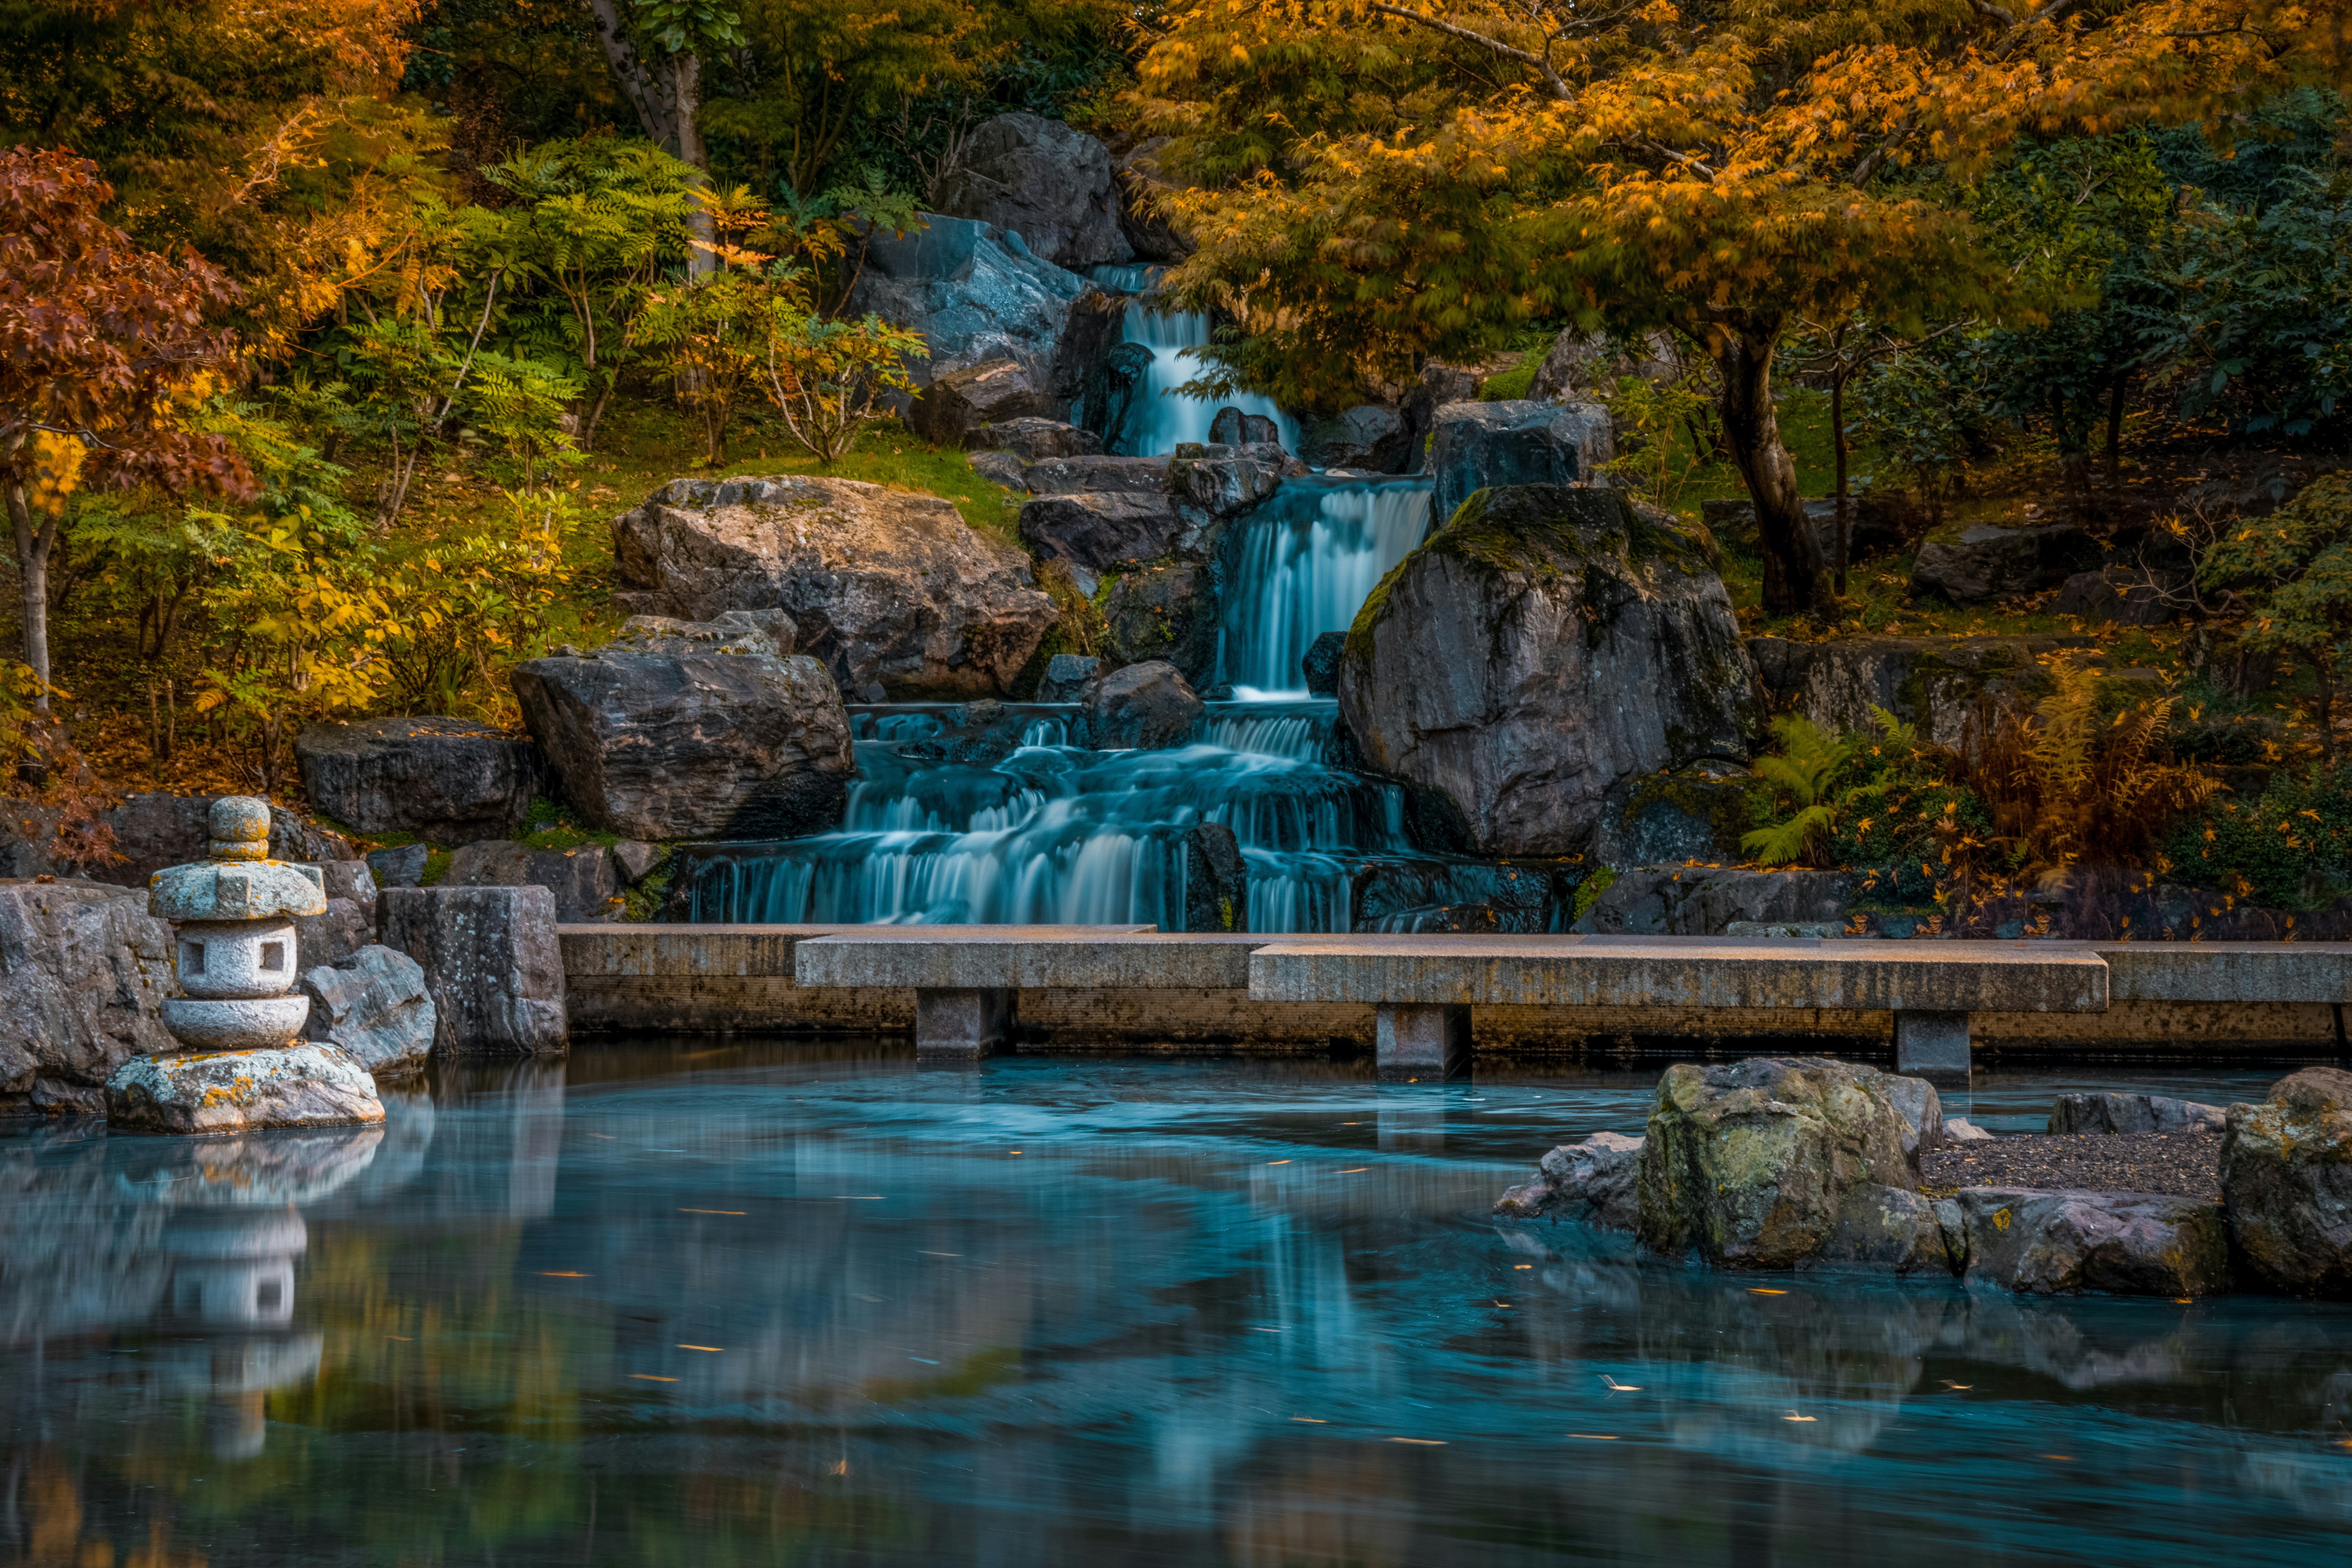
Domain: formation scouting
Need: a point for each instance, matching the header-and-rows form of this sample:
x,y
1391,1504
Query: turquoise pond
x,y
794,1304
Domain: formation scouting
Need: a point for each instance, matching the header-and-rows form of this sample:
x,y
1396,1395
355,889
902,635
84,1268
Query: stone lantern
x,y
236,954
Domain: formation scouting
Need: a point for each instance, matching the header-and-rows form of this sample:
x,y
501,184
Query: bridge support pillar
x,y
1424,1043
961,1026
1933,1045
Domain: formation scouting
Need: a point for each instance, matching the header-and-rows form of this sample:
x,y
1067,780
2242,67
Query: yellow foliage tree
x,y
1375,181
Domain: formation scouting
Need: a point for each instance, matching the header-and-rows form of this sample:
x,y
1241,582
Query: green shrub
x,y
2293,847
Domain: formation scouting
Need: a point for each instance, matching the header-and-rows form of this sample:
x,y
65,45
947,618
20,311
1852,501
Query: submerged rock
x,y
892,591
662,746
84,970
491,964
373,1006
1045,180
1475,445
307,1085
2133,1114
2061,1243
1216,879
1595,1181
1537,652
1765,1164
448,780
2286,1181
1144,707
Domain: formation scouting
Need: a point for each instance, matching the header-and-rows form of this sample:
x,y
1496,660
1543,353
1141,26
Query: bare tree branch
x,y
1552,78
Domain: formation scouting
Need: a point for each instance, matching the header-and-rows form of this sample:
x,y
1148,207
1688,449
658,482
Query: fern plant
x,y
1803,779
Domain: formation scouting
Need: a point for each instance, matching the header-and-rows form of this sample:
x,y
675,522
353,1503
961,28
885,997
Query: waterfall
x,y
1165,417
1302,564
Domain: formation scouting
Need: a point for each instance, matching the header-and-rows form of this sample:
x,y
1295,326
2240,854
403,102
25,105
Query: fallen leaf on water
x,y
1353,1169
2062,1458
1312,1420
1421,1442
939,1254
737,1213
842,1468
1621,1387
404,1339
1595,1436
1523,1265
1962,1386
702,1347
1761,1290
651,1377
561,1274
1792,1416
1277,1161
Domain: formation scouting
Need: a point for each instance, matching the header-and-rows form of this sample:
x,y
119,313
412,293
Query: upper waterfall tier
x,y
1163,415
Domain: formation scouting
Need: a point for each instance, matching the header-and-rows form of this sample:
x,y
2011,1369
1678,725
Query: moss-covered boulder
x,y
1775,1161
2287,1183
1544,646
1167,611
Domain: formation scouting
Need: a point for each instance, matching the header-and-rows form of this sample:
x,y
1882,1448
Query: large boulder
x,y
1319,665
1779,1160
1474,446
1030,439
309,1084
1370,437
1146,707
1222,481
1938,684
959,403
892,590
1229,426
84,970
587,881
1544,647
1066,676
2134,1113
692,745
1596,1181
1163,612
1048,182
976,292
446,780
1153,237
1674,818
2287,1183
1967,563
491,965
2124,596
1096,532
374,1005
1704,900
2061,1243
1096,475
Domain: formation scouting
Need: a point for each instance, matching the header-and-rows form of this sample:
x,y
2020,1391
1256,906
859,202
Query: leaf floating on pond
x,y
651,1377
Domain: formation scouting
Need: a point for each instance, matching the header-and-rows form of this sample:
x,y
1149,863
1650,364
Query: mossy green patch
x,y
1588,891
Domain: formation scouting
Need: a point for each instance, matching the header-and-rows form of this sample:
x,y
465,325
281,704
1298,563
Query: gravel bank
x,y
2181,1165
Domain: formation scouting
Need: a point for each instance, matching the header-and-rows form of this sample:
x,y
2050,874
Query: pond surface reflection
x,y
766,1303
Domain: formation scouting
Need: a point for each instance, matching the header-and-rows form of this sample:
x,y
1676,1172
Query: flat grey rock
x,y
305,1084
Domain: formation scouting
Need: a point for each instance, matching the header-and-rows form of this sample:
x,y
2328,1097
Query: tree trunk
x,y
1837,445
667,95
33,544
1795,577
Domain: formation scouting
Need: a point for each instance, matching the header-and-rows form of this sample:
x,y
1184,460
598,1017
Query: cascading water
x,y
1164,417
1302,564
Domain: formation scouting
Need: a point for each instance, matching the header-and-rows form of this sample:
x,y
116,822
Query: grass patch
x,y
1511,385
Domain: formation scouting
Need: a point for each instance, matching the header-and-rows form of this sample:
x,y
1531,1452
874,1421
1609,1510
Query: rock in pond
x,y
2060,1243
84,970
305,1084
1778,1161
1474,446
491,964
1594,1181
373,1006
2133,1114
691,745
1216,879
2287,1183
1981,561
1144,707
1543,648
1047,181
447,780
890,590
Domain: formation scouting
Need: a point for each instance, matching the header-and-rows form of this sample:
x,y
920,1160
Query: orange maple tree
x,y
101,344
1372,183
